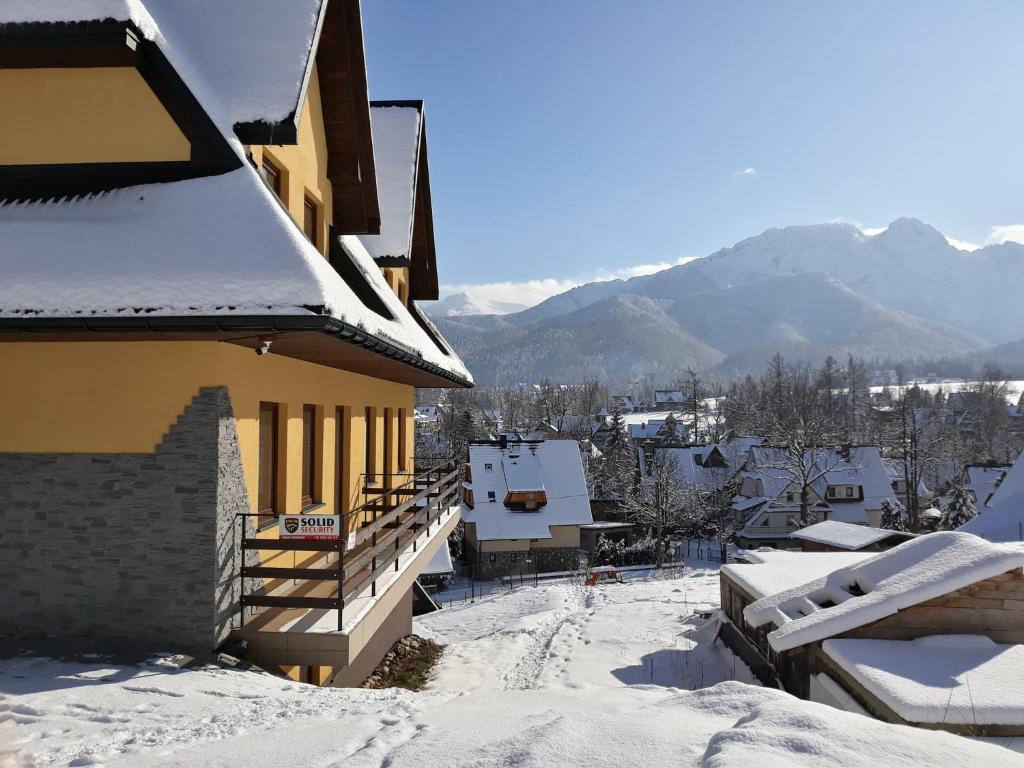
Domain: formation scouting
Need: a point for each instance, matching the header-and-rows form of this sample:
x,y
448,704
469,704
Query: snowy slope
x,y
538,677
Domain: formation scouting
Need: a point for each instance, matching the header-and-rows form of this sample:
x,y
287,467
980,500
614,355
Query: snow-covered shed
x,y
832,536
967,684
524,502
940,583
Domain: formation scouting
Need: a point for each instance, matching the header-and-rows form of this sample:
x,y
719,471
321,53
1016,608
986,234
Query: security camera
x,y
263,348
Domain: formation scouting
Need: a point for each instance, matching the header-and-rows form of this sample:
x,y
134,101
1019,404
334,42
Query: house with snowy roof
x,y
880,633
1002,517
656,430
213,243
668,399
523,506
982,480
849,485
627,403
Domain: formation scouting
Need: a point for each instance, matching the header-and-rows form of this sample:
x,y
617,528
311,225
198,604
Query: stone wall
x,y
127,549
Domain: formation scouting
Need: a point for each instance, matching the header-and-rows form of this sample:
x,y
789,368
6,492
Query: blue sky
x,y
573,139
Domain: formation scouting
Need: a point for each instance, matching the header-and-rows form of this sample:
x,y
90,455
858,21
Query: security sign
x,y
309,527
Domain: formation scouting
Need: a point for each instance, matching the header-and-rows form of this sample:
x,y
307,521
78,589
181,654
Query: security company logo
x,y
309,527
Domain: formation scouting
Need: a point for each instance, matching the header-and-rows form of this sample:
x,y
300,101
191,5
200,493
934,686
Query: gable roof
x,y
913,572
768,571
406,238
554,465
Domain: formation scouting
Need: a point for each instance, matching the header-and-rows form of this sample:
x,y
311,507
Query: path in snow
x,y
538,678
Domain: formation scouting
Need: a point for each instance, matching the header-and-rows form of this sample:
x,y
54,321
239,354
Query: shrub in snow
x,y
959,508
892,516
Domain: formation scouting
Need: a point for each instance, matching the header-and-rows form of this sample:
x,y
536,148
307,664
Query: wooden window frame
x,y
341,474
403,439
310,495
270,411
389,436
370,450
311,204
270,167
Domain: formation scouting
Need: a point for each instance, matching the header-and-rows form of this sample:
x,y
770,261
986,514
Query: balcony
x,y
317,603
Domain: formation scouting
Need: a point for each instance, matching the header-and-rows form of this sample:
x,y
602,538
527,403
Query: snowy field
x,y
551,675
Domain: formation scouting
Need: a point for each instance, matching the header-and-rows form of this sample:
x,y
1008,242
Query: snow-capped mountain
x,y
807,291
468,304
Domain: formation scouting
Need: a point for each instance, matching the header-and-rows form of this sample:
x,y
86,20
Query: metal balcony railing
x,y
374,535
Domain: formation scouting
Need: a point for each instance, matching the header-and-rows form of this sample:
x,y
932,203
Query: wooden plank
x,y
285,601
308,574
292,545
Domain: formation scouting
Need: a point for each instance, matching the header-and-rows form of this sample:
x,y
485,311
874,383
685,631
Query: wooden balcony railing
x,y
332,572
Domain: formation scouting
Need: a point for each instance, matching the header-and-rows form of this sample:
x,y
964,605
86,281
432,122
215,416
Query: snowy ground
x,y
544,676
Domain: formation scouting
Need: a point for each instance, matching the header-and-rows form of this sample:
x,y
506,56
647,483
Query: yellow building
x,y
211,250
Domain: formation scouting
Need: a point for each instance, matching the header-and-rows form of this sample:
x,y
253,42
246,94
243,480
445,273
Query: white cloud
x,y
963,245
745,172
1006,233
532,292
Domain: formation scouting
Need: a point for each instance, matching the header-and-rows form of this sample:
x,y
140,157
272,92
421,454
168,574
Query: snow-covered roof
x,y
690,462
982,481
396,145
245,60
1003,520
770,571
648,430
441,562
948,679
218,245
843,535
668,396
917,570
554,466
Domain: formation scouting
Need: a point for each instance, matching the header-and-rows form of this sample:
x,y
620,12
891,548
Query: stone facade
x,y
486,566
134,549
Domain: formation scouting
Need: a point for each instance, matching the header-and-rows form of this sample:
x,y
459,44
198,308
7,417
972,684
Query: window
x,y
467,498
831,492
370,463
488,467
849,491
493,558
267,494
309,455
311,220
341,473
272,177
491,496
403,448
389,417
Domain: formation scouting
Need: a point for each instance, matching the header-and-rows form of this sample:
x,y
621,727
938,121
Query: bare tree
x,y
659,501
513,408
804,453
693,391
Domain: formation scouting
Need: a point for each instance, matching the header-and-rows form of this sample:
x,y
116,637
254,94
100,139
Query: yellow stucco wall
x,y
122,397
561,536
305,164
398,279
85,115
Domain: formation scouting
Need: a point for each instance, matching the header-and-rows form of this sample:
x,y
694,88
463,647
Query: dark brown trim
x,y
391,262
246,330
341,66
102,44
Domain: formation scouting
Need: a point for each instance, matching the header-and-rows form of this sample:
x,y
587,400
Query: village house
x,y
982,480
668,399
627,403
1002,517
891,634
523,506
898,481
210,335
834,536
849,485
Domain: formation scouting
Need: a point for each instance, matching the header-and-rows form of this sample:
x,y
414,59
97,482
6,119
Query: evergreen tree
x,y
892,517
618,466
960,509
668,435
